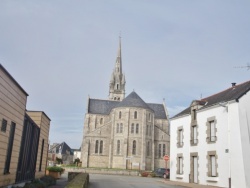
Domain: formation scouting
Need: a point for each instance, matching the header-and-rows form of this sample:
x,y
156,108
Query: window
x,y
101,147
121,128
147,130
137,128
194,114
135,115
180,165
159,151
180,138
132,128
117,128
150,129
120,115
212,131
194,139
96,146
149,117
148,148
134,148
163,149
101,121
117,86
213,165
9,149
118,147
4,125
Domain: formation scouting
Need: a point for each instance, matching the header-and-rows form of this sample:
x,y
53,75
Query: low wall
x,y
104,171
77,179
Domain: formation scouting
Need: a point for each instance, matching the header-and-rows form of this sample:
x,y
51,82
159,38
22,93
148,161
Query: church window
x,y
159,151
101,121
163,149
96,146
132,128
148,148
121,128
120,115
137,128
101,146
118,147
117,128
135,115
134,148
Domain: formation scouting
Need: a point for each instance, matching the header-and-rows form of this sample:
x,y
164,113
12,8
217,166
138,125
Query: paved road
x,y
115,181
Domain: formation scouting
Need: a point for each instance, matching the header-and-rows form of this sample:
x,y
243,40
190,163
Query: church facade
x,y
124,132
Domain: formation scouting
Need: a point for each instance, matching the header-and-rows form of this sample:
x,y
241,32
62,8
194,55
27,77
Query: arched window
x,y
121,128
117,86
96,146
147,130
135,115
137,128
120,115
149,117
132,128
115,98
101,121
118,147
134,148
117,128
148,148
150,130
163,149
159,151
101,146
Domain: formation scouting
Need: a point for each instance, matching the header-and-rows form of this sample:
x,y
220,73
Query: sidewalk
x,y
62,182
188,185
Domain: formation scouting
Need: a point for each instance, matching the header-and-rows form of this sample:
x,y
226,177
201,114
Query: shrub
x,y
48,180
144,174
55,169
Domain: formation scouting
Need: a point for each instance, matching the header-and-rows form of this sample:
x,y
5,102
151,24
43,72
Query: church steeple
x,y
117,81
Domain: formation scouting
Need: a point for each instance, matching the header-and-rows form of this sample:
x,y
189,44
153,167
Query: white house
x,y
210,140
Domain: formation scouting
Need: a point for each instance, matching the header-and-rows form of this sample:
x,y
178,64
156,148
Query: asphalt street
x,y
111,181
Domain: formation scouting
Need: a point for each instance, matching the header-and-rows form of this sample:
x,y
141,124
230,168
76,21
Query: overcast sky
x,y
62,51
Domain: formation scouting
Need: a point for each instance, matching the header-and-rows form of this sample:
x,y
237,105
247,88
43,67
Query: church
x,y
124,132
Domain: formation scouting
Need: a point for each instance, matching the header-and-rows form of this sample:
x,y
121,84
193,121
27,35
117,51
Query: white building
x,y
210,141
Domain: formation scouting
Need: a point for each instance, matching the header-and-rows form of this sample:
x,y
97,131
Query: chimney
x,y
233,84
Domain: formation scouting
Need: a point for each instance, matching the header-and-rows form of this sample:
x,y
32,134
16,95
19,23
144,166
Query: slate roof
x,y
133,100
97,106
64,148
232,93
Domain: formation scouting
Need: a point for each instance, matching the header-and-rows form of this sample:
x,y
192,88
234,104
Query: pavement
x,y
62,182
188,185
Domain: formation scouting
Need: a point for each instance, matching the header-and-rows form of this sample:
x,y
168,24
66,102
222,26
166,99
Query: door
x,y
195,167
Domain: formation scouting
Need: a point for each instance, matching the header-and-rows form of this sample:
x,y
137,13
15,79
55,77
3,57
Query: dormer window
x,y
194,114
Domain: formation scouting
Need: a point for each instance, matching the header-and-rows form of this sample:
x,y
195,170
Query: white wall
x,y
244,119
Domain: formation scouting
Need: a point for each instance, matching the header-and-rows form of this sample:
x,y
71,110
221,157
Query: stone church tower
x,y
124,132
117,81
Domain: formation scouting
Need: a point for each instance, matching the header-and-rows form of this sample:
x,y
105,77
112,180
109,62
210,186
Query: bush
x,y
48,180
144,174
55,169
35,184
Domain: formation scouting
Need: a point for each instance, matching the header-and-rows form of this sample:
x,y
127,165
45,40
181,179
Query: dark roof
x,y
97,106
159,110
64,148
17,84
133,100
232,93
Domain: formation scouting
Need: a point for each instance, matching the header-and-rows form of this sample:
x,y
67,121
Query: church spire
x,y
117,81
